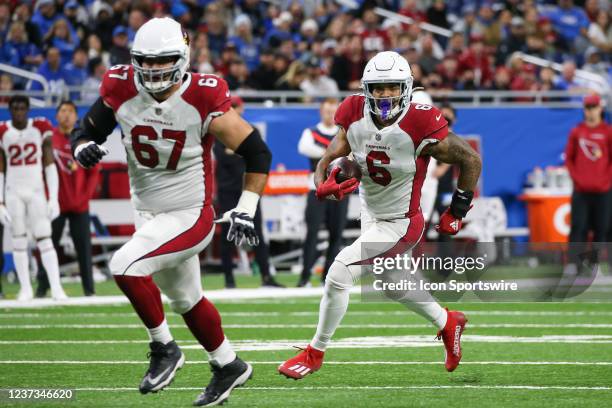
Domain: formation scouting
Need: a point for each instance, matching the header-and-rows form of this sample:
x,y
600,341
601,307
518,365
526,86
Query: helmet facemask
x,y
156,80
387,108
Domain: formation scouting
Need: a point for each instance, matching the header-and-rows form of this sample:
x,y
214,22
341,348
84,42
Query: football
x,y
348,169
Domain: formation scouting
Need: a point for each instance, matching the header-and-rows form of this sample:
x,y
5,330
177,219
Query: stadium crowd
x,y
316,46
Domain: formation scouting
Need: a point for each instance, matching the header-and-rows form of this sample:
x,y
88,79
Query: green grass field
x,y
527,355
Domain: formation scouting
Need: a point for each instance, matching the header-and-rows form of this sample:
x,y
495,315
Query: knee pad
x,y
45,244
340,276
41,228
20,243
184,304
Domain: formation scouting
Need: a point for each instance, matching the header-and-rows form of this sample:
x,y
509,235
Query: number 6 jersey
x,y
167,143
389,158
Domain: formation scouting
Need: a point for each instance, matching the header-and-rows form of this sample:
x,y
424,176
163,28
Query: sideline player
x,y
313,143
391,141
26,147
169,118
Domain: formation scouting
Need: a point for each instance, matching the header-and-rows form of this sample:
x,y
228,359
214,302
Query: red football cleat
x,y
451,335
307,362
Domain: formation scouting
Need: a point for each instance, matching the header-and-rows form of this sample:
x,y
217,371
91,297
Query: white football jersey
x,y
23,154
389,158
168,146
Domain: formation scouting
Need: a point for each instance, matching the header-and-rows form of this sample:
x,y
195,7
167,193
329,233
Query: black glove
x,y
89,154
241,227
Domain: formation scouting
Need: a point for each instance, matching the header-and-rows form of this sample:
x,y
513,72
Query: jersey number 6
x,y
378,174
147,155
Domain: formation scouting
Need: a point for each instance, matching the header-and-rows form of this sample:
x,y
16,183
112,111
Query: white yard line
x,y
200,362
312,325
10,315
407,387
371,342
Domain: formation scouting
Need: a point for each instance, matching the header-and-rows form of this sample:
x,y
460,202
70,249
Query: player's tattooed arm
x,y
338,147
455,150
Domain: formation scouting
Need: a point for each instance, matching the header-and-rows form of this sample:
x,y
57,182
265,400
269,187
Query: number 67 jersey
x,y
389,158
167,143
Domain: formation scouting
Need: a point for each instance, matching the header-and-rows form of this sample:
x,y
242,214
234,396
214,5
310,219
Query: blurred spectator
x,y
568,80
265,76
91,87
22,13
52,70
229,54
19,50
516,41
120,52
247,45
281,30
95,50
347,68
255,9
45,15
501,80
5,19
571,22
316,84
410,9
437,14
237,75
430,53
600,32
374,38
308,33
60,37
476,59
594,62
76,72
104,24
456,44
136,19
215,30
291,81
77,19
6,85
547,79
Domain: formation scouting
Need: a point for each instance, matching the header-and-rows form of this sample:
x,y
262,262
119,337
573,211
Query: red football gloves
x,y
450,220
449,224
331,190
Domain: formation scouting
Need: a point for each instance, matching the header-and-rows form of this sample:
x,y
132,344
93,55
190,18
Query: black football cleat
x,y
224,380
270,282
166,359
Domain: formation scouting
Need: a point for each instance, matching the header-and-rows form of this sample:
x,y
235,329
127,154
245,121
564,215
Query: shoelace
x,y
156,357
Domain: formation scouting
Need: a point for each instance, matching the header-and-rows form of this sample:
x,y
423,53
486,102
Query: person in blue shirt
x,y
75,72
52,70
45,15
18,51
248,46
570,21
60,37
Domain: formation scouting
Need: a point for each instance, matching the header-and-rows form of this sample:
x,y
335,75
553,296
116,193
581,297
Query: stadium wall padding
x,y
514,140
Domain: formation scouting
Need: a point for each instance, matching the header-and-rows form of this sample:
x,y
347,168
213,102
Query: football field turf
x,y
527,355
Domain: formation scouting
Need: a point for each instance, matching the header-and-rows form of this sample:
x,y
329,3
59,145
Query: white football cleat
x,y
59,295
25,295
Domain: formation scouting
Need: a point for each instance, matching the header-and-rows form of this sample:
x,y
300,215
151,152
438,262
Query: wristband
x,y
460,203
248,203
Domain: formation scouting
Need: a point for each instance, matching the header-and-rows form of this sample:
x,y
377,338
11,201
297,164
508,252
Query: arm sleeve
x,y
52,181
97,124
307,146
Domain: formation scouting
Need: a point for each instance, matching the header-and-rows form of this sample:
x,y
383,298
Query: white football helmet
x,y
160,38
387,67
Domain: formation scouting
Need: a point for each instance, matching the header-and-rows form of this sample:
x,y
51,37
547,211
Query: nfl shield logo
x,y
158,111
378,137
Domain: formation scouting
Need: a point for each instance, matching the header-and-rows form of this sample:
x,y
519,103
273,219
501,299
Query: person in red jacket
x,y
76,187
588,157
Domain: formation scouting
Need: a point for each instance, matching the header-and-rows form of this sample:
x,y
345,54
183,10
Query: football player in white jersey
x,y
26,149
169,118
391,140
